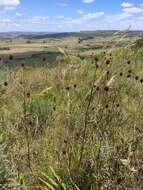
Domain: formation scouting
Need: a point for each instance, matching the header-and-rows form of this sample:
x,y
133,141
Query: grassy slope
x,y
83,118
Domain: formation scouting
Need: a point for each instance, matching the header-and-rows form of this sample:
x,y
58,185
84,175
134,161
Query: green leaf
x,y
49,179
47,184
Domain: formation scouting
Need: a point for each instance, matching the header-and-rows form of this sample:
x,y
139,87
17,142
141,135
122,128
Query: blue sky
x,y
70,15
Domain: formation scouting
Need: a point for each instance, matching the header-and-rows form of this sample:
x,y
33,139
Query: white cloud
x,y
140,18
9,24
60,17
39,19
6,20
80,12
15,25
88,1
133,10
129,14
117,17
126,4
18,14
9,3
85,18
90,16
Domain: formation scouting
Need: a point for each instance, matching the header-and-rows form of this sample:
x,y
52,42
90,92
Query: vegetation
x,y
74,126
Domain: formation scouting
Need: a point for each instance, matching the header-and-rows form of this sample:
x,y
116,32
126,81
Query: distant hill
x,y
22,34
49,35
82,34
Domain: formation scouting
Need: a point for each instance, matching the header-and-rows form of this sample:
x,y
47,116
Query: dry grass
x,y
83,118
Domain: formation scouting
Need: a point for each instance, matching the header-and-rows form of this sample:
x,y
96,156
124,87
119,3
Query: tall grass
x,y
82,117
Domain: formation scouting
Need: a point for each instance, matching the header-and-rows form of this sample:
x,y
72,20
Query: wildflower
x,y
30,122
129,71
5,84
141,80
96,59
65,141
97,88
117,105
77,135
121,74
10,57
74,85
106,88
136,78
97,66
67,88
64,152
28,94
107,62
128,62
128,76
108,72
106,106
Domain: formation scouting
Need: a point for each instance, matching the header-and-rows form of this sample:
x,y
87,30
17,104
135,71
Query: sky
x,y
70,15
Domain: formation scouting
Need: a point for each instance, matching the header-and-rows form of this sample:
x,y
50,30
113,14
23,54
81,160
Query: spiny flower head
x,y
11,57
28,94
5,83
108,72
97,66
96,59
67,88
107,62
136,78
97,88
130,71
106,88
64,152
107,106
117,105
30,123
65,141
128,62
121,74
75,85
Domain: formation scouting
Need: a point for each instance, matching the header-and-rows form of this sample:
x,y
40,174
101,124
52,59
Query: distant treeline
x,y
82,34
